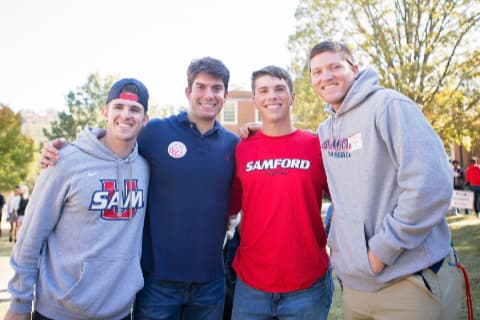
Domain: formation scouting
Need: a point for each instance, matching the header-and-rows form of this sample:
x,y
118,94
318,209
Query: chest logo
x,y
116,206
177,149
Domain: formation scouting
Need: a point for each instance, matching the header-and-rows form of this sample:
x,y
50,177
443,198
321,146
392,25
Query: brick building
x,y
238,110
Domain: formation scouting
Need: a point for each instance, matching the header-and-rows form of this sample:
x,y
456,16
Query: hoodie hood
x,y
365,84
89,142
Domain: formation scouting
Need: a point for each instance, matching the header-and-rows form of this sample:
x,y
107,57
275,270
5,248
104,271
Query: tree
x,y
16,149
422,48
84,108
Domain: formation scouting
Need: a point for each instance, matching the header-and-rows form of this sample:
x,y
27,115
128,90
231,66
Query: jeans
x,y
172,300
310,303
476,198
39,316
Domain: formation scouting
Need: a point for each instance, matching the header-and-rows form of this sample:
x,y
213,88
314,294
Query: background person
x,y
473,180
22,206
458,180
13,202
2,203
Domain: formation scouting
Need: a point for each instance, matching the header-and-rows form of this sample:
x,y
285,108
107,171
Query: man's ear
x,y
145,120
105,112
355,70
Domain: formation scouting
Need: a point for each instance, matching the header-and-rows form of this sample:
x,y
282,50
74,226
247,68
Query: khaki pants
x,y
410,298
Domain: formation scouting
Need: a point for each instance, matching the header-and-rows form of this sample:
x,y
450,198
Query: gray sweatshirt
x,y
80,245
390,183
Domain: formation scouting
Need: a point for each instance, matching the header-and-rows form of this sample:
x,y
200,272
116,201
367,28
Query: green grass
x,y
466,237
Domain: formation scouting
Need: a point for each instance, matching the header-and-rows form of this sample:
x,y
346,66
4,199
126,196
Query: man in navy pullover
x,y
191,160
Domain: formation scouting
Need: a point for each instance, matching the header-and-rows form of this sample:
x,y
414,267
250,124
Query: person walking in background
x,y
282,266
78,252
472,178
13,202
389,239
458,176
22,205
458,180
2,203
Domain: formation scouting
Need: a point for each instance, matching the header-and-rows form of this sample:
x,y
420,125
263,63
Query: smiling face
x,y
273,99
206,96
332,77
124,120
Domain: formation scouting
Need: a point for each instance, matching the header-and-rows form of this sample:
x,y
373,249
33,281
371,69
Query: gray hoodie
x,y
390,184
80,244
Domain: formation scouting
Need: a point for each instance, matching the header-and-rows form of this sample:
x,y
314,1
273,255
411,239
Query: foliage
x,y
16,149
164,111
84,108
424,49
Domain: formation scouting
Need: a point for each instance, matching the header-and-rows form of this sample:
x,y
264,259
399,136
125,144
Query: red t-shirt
x,y
279,184
473,175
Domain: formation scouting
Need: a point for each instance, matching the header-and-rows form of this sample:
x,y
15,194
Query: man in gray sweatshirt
x,y
78,252
390,184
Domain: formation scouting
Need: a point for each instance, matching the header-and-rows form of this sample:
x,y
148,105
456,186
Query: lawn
x,y
466,238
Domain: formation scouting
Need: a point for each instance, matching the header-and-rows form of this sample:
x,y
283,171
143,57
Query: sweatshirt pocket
x,y
105,287
348,247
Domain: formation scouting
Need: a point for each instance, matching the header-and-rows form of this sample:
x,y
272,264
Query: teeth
x,y
329,87
269,106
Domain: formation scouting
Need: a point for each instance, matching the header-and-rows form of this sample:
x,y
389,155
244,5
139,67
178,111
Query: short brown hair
x,y
332,46
275,72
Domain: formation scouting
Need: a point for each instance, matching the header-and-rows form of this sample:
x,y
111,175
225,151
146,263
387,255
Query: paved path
x,y
5,275
5,269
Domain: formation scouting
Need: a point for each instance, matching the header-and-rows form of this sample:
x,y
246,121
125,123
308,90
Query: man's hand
x,y
248,129
16,316
50,152
376,264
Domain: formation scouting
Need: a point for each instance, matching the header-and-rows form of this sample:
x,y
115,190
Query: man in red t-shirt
x,y
473,180
283,269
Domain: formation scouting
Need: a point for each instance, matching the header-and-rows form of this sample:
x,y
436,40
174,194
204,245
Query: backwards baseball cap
x,y
117,92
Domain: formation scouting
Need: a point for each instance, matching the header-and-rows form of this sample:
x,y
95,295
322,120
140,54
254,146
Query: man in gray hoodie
x,y
390,184
78,252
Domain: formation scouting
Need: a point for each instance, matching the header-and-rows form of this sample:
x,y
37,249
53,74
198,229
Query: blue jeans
x,y
311,303
172,300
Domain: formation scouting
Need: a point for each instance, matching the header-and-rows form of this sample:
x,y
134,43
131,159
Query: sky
x,y
49,47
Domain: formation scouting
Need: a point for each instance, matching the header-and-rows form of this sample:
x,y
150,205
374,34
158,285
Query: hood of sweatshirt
x,y
89,142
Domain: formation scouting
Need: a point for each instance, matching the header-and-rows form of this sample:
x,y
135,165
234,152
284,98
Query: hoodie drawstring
x,y
118,210
131,193
128,194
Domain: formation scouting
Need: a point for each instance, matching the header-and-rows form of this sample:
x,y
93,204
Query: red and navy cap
x,y
127,97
